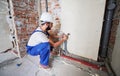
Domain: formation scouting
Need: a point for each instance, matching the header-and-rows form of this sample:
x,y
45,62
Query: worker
x,y
39,42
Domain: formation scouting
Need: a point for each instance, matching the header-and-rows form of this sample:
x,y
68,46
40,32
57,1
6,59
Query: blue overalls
x,y
42,49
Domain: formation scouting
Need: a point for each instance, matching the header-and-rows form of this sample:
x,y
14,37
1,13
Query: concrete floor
x,y
28,66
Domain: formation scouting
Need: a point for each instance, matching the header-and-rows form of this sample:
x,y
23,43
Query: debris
x,y
19,64
6,50
96,74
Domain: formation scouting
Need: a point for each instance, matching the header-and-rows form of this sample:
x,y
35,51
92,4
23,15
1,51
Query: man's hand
x,y
65,37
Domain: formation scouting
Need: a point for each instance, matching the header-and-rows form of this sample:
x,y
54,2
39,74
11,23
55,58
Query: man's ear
x,y
46,24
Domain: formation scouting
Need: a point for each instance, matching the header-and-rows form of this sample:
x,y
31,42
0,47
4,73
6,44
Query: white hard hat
x,y
46,17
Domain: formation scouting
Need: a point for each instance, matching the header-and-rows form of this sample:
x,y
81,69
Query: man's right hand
x,y
65,37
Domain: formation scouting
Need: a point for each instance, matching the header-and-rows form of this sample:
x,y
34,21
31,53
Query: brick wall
x,y
26,20
54,8
26,17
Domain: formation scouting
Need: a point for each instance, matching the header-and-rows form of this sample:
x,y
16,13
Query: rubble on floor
x,y
29,66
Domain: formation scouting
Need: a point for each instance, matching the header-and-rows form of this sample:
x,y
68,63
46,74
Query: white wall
x,y
83,20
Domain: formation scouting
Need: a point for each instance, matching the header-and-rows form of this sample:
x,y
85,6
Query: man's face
x,y
50,25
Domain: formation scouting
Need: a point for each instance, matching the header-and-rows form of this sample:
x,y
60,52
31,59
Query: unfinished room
x,y
59,37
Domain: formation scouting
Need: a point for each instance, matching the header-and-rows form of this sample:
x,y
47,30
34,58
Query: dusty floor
x,y
28,66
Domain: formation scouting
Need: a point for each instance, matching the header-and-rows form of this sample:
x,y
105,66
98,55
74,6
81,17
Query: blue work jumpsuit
x,y
42,49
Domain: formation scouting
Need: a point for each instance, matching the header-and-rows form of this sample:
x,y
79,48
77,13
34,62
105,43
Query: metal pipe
x,y
65,46
39,11
46,6
107,24
109,68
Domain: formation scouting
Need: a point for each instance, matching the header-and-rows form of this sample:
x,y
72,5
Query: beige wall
x,y
83,20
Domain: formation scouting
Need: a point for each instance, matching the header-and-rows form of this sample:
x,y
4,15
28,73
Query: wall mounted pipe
x,y
39,10
65,51
107,24
46,2
109,68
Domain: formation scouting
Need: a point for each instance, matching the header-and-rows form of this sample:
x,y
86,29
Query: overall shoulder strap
x,y
46,33
37,31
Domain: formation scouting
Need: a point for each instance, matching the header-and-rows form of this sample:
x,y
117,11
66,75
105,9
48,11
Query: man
x,y
39,42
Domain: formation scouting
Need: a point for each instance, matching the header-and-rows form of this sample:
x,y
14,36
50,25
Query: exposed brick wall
x,y
26,20
115,24
26,17
54,8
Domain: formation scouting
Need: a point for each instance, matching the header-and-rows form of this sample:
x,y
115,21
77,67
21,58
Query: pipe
x,y
46,6
107,24
109,68
65,51
39,11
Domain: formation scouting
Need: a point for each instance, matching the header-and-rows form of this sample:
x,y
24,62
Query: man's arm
x,y
58,43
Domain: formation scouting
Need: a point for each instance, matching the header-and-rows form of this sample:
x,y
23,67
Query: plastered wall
x,y
83,20
5,40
